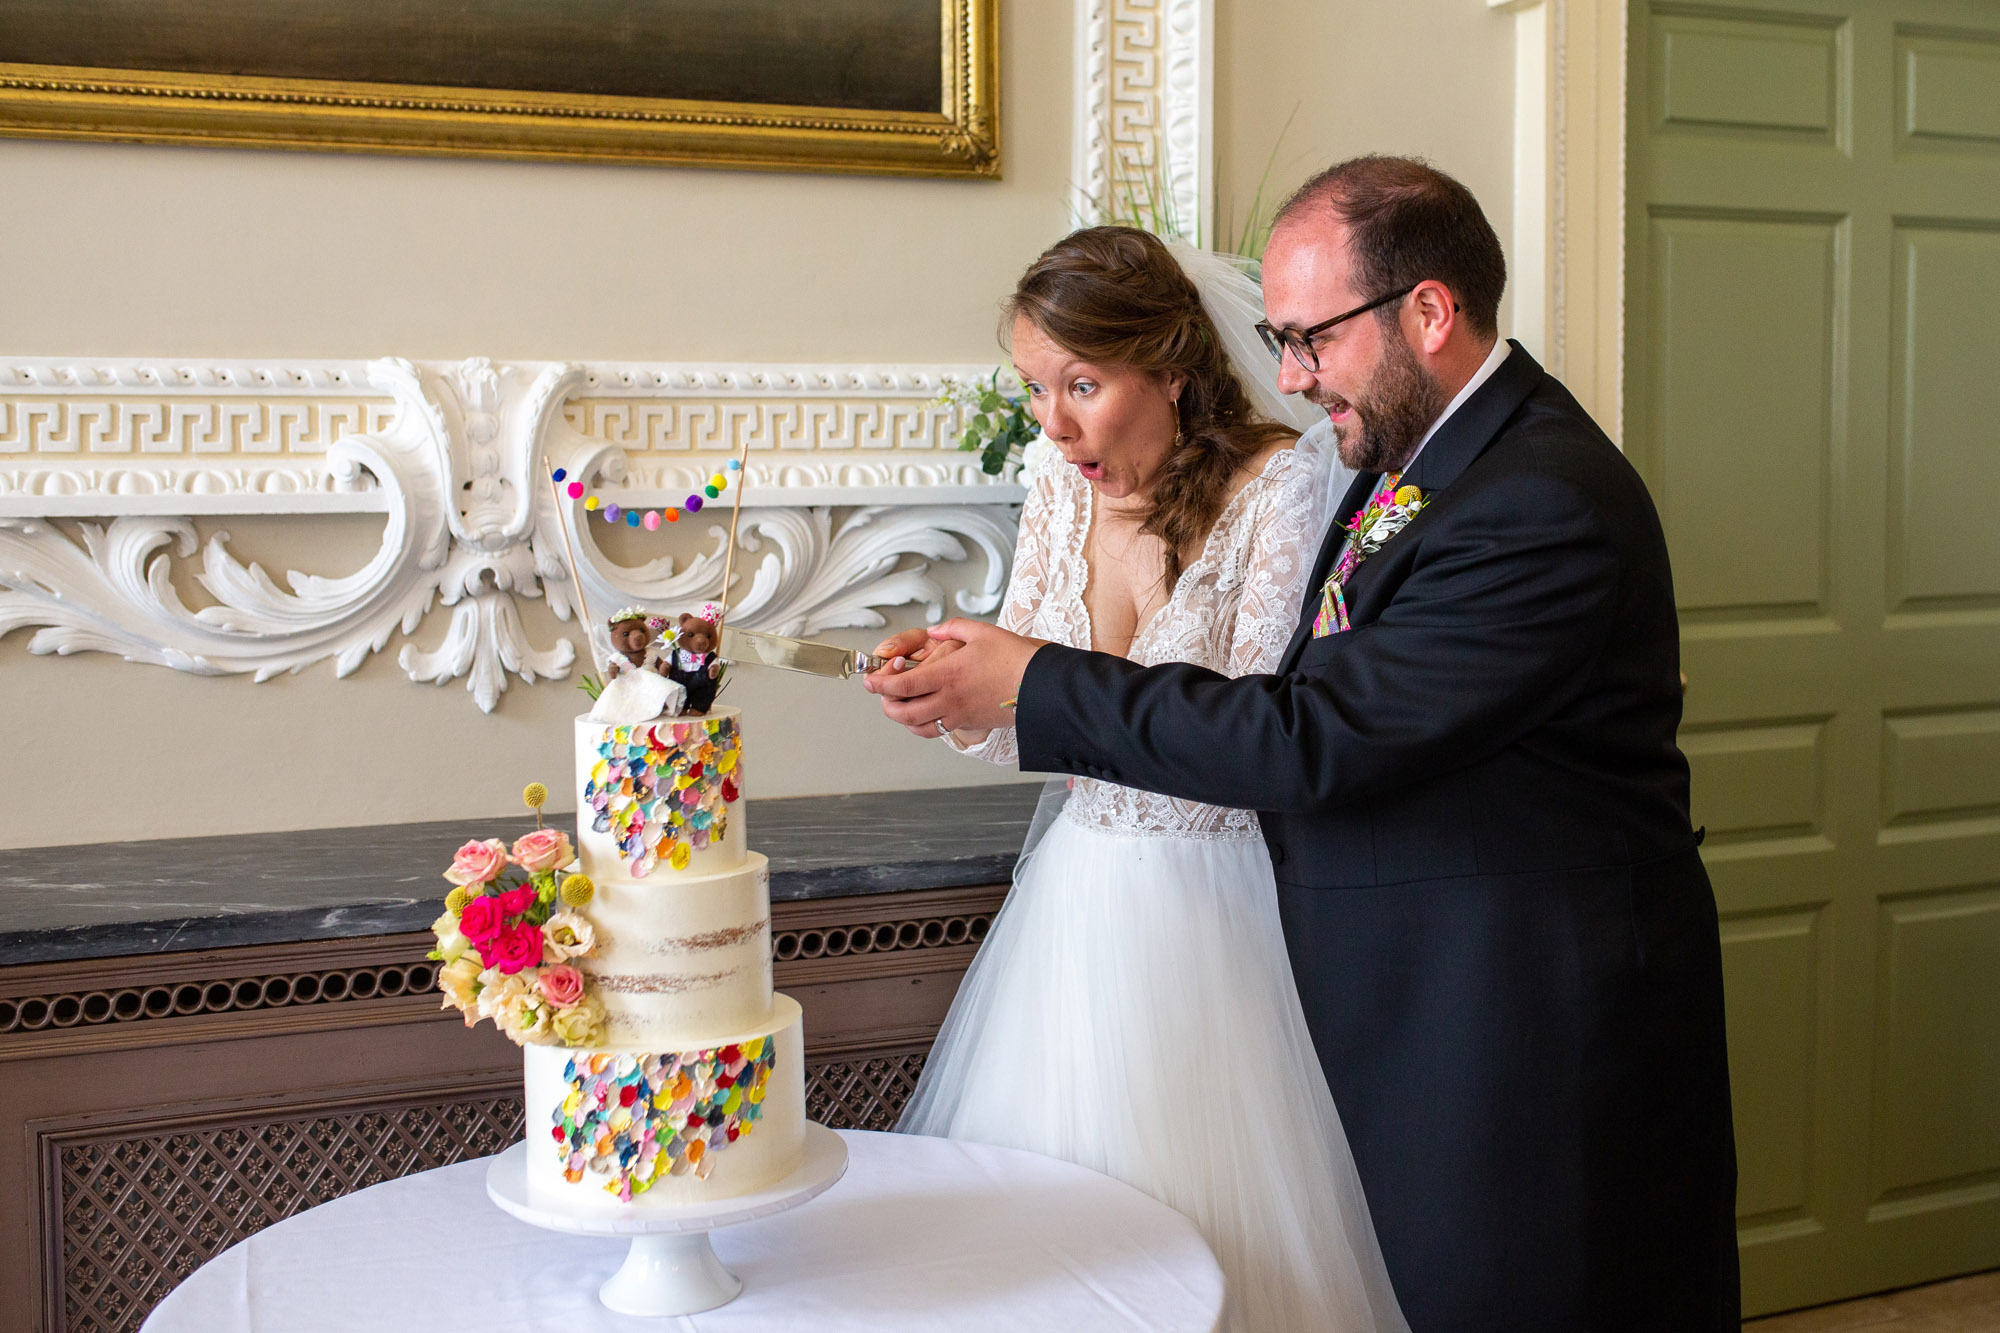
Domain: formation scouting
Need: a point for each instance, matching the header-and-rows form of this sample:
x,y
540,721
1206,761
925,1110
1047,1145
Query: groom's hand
x,y
968,688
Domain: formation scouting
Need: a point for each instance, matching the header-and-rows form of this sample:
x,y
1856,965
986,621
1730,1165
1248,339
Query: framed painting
x,y
901,87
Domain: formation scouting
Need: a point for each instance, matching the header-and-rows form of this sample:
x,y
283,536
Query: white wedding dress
x,y
1133,1008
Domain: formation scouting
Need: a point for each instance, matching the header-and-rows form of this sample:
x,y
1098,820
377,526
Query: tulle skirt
x,y
1133,1010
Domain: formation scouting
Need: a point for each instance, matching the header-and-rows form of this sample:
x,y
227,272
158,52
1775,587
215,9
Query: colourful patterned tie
x,y
1332,617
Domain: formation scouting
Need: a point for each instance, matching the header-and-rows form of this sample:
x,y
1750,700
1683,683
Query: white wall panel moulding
x,y
1145,108
1568,294
129,452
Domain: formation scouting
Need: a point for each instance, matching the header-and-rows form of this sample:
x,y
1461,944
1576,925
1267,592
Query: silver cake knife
x,y
775,650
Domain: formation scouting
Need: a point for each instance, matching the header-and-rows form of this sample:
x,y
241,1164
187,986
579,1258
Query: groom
x,y
1466,771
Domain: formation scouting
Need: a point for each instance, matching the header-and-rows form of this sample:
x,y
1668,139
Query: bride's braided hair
x,y
1115,296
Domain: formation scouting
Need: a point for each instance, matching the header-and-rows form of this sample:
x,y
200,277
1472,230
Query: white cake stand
x,y
671,1268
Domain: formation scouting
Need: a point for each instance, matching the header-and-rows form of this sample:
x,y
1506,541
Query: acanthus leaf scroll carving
x,y
452,455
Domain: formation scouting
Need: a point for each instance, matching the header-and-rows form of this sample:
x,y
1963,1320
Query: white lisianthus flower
x,y
566,935
525,1017
1036,455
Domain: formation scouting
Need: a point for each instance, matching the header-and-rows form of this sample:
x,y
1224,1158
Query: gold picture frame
x,y
161,103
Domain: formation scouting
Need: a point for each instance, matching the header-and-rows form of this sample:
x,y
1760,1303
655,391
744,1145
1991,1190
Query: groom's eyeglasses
x,y
1300,341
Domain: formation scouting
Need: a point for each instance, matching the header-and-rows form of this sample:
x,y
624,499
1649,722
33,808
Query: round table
x,y
921,1233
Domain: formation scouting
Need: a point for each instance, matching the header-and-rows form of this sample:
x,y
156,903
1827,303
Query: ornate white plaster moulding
x,y
854,488
1145,107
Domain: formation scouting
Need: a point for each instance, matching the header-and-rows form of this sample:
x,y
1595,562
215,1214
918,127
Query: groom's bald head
x,y
1406,222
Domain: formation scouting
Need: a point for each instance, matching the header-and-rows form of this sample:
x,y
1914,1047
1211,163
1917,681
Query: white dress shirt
x,y
1500,352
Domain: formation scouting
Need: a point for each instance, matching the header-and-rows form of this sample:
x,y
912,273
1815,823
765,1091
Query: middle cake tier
x,y
676,962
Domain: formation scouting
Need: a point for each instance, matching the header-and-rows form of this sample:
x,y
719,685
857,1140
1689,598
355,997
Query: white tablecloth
x,y
920,1234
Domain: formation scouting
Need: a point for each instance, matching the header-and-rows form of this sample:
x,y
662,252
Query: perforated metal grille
x,y
140,1214
866,1093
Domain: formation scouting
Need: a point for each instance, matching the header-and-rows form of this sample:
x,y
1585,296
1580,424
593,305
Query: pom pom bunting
x,y
650,519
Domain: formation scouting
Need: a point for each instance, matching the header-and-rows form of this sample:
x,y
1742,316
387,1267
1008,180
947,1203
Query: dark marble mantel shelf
x,y
177,894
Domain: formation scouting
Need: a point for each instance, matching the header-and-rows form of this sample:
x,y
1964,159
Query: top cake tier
x,y
660,800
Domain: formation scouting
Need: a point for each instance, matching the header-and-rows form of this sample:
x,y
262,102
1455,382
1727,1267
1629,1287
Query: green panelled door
x,y
1813,390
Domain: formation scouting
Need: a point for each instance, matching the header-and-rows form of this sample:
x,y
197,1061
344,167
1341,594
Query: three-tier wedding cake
x,y
661,1068
698,1089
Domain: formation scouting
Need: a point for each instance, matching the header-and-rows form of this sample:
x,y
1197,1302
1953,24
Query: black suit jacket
x,y
1504,939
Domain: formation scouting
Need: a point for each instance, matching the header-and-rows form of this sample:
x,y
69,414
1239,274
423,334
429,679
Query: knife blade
x,y
775,650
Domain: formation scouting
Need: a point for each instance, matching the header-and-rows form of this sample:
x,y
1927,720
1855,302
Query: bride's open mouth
x,y
1091,469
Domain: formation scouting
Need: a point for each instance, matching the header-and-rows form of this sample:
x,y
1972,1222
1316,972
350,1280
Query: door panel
x,y
1944,426
1773,1033
1813,381
1938,1069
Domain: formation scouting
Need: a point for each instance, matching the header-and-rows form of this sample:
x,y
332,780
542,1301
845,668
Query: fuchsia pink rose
x,y
520,946
481,921
478,862
562,984
515,901
544,849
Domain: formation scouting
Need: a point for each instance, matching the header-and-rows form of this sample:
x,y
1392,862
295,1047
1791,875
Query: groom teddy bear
x,y
693,662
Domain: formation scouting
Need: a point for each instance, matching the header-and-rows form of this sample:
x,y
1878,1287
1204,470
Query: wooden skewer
x,y
575,570
735,512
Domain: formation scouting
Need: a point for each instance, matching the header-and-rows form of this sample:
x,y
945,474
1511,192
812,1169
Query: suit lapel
x,y
1461,439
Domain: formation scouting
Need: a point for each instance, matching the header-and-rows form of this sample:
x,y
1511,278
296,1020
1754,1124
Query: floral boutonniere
x,y
1386,514
1388,511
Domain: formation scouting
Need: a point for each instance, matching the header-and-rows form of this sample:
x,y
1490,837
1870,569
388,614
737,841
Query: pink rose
x,y
514,902
519,947
477,862
544,849
562,984
481,921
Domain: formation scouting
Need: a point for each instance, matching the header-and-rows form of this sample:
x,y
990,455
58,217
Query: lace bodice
x,y
1233,611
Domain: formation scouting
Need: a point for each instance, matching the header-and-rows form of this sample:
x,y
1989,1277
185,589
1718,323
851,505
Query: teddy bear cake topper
x,y
658,666
673,665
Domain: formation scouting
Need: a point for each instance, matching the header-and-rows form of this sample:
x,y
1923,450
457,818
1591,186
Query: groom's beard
x,y
1392,414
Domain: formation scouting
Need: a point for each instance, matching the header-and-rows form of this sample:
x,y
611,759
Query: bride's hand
x,y
900,649
926,649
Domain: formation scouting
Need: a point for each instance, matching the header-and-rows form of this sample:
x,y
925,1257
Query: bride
x,y
1133,1009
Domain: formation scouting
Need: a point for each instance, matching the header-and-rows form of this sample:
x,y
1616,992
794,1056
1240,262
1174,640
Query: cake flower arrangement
x,y
511,929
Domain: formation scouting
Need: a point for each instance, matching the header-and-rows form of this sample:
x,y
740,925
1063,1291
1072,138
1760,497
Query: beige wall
x,y
109,250
1430,77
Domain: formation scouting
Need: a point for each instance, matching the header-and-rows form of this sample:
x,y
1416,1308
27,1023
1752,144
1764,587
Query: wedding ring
x,y
943,730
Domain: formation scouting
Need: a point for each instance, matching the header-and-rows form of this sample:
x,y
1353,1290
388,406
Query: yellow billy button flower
x,y
1408,495
534,795
577,890
455,901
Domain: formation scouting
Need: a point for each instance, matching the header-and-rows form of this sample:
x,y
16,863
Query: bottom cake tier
x,y
621,1129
